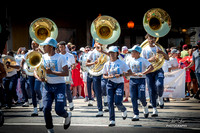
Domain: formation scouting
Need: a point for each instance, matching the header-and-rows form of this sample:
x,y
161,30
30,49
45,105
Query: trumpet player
x,y
35,84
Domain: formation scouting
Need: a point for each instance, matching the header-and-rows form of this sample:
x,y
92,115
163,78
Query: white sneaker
x,y
35,112
26,104
135,118
161,102
40,105
145,111
50,130
124,115
90,103
80,97
112,123
67,121
71,106
105,99
99,114
30,101
155,112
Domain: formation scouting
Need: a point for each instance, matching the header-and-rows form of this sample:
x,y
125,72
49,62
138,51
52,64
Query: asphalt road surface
x,y
177,116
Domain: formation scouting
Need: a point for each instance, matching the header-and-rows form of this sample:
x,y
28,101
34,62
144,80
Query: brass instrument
x,y
8,59
41,72
157,23
42,28
33,60
105,30
96,70
39,30
28,70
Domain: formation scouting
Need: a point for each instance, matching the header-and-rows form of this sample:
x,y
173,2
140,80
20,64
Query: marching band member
x,y
25,87
91,60
35,84
155,80
113,71
70,61
56,69
10,82
140,67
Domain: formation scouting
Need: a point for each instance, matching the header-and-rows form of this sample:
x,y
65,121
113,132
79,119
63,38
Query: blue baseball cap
x,y
136,48
49,41
113,49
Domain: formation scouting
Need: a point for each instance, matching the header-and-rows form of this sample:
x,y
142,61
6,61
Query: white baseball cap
x,y
113,49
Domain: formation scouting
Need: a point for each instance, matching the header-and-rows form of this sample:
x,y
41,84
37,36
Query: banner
x,y
174,84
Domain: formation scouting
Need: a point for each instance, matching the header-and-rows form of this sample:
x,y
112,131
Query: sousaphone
x,y
157,23
39,30
105,30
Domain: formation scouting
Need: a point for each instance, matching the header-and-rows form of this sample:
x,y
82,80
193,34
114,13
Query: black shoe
x,y
154,115
162,106
135,119
146,115
71,109
106,110
40,109
98,115
150,106
34,114
196,97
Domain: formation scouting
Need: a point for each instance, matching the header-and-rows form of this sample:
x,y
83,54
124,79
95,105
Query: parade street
x,y
177,116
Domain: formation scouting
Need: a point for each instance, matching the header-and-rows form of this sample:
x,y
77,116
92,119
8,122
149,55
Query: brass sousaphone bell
x,y
39,30
157,23
42,28
105,30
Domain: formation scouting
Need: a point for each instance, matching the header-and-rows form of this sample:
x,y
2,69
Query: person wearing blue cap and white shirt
x,y
56,68
113,71
139,67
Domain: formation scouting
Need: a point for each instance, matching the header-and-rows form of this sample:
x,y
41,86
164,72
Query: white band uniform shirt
x,y
94,55
55,63
70,59
138,66
116,67
149,52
